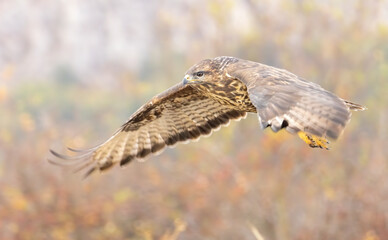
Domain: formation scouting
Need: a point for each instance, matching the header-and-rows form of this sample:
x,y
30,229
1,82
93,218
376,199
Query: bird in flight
x,y
212,93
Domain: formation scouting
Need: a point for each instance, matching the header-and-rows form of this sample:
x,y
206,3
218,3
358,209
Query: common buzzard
x,y
212,93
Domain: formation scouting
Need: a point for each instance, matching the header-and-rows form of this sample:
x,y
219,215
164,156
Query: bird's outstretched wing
x,y
181,113
283,100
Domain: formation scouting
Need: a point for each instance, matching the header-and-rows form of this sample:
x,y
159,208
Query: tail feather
x,y
354,106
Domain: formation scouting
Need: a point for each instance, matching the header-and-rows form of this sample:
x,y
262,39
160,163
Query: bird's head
x,y
199,73
208,70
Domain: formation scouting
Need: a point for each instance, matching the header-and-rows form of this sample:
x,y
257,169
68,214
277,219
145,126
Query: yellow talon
x,y
314,141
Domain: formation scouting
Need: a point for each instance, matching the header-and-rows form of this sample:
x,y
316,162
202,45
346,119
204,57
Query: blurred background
x,y
71,72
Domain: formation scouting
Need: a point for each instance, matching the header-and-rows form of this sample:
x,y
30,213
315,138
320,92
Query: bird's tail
x,y
354,106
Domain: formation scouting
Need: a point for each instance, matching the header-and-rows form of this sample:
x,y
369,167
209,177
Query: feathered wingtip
x,y
77,162
354,106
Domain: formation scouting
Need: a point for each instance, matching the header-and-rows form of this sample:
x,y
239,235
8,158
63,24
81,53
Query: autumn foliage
x,y
71,72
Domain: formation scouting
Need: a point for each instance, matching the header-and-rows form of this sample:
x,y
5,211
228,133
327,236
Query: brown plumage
x,y
213,92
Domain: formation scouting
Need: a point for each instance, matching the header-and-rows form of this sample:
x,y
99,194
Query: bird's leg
x,y
314,141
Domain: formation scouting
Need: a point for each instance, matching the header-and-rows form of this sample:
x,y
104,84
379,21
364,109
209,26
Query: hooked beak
x,y
186,79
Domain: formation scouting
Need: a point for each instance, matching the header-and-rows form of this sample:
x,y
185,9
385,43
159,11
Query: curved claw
x,y
314,141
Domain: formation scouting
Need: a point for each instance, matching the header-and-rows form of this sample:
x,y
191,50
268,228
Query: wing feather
x,y
283,100
179,114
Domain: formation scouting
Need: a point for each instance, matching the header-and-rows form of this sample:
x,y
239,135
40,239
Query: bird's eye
x,y
199,74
